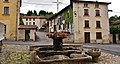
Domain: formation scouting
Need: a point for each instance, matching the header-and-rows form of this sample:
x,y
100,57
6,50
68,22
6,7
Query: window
x,y
97,12
98,35
5,0
86,12
59,27
33,19
98,24
26,19
6,10
33,23
68,26
85,5
64,26
29,23
30,19
97,5
86,24
26,23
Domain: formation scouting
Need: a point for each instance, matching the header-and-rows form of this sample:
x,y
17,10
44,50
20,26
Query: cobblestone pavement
x,y
110,48
15,54
9,56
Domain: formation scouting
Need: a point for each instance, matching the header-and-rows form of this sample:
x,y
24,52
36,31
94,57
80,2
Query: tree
x,y
29,13
21,21
114,18
115,29
68,17
42,13
35,13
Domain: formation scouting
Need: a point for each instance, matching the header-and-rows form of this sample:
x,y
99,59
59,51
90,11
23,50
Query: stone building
x,y
115,32
90,21
58,21
27,32
9,18
39,21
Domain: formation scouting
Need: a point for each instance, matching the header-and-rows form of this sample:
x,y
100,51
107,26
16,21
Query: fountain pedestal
x,y
57,44
57,39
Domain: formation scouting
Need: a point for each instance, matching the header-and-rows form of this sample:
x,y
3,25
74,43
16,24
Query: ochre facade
x,y
10,20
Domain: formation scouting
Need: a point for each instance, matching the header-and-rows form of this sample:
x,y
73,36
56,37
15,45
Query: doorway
x,y
87,37
114,39
27,36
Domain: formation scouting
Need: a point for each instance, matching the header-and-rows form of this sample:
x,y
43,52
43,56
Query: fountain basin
x,y
69,55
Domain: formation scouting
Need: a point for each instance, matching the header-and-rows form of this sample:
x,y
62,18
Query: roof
x,y
90,1
27,27
116,22
37,17
60,12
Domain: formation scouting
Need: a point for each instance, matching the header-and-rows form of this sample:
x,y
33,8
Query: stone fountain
x,y
59,53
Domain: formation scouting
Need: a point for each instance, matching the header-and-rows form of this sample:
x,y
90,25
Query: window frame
x,y
6,1
87,24
85,4
98,35
33,23
97,12
98,24
86,12
30,23
6,10
29,19
97,5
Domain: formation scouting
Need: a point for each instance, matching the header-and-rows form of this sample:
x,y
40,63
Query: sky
x,y
50,6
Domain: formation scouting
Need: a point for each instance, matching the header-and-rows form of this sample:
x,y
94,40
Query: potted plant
x,y
95,53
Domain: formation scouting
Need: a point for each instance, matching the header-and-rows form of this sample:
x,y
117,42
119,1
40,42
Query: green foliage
x,y
21,21
68,16
35,13
29,13
41,13
114,18
115,29
46,14
22,14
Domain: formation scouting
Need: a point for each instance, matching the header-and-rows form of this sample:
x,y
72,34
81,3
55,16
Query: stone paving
x,y
110,48
14,55
16,47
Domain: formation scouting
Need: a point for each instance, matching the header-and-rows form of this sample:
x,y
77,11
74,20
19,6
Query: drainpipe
x,y
17,20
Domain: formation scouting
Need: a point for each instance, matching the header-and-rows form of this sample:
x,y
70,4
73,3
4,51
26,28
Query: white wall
x,y
38,22
79,19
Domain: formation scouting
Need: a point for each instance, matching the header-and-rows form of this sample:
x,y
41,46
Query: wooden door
x,y
87,37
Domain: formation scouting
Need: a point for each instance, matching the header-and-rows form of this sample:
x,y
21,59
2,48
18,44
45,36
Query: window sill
x,y
97,7
86,15
97,16
85,7
87,27
5,2
98,27
6,14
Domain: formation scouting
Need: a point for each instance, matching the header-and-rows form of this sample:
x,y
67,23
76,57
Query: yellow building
x,y
9,18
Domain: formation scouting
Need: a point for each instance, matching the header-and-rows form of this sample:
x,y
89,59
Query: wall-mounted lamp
x,y
75,13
